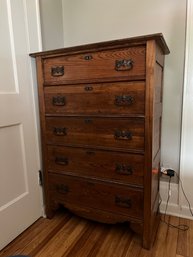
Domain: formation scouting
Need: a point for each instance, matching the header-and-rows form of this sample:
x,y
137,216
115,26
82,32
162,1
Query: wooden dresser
x,y
100,110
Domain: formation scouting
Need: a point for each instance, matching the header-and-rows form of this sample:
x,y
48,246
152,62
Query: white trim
x,y
186,162
176,210
10,22
37,5
26,25
173,207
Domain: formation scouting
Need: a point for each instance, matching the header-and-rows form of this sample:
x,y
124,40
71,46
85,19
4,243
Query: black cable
x,y
181,227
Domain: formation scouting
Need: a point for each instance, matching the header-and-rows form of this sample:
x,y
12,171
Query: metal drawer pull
x,y
88,57
123,202
61,160
62,188
57,71
121,134
88,88
124,100
60,131
90,152
58,100
123,169
88,121
123,65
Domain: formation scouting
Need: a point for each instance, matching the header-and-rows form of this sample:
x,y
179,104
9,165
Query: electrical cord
x,y
181,227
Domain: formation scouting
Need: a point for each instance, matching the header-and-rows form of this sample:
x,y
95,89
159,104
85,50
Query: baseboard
x,y
174,207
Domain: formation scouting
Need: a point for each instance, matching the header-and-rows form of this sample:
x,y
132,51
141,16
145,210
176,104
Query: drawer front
x,y
109,98
121,64
96,194
118,166
126,133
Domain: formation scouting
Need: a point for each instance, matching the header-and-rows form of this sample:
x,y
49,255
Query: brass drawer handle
x,y
121,134
88,88
123,202
57,71
124,100
58,100
61,188
88,57
123,169
58,131
90,152
61,160
88,121
123,65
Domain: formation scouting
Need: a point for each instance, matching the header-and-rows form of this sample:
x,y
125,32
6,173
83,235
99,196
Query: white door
x,y
20,193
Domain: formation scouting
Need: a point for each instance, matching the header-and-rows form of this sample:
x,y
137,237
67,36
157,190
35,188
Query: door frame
x,y
186,159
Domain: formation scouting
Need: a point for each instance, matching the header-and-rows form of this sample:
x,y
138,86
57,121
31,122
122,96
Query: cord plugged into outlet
x,y
167,171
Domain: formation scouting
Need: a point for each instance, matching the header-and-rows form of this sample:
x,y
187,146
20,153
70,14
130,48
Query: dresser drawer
x,y
118,166
96,194
121,64
110,98
126,133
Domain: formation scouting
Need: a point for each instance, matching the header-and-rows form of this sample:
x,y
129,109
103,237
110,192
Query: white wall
x,y
88,21
51,24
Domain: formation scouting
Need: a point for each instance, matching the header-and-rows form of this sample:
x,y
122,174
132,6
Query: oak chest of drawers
x,y
100,109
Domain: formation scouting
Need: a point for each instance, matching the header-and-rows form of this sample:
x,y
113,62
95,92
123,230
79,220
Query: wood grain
x,y
79,69
99,132
110,197
67,235
96,99
110,165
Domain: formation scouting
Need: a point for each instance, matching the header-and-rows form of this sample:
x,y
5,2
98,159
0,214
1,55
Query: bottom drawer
x,y
96,194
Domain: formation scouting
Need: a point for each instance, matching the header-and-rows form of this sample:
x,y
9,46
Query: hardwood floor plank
x,y
39,241
190,239
118,244
74,250
171,238
101,233
35,236
111,242
183,239
124,243
67,235
134,247
157,249
90,242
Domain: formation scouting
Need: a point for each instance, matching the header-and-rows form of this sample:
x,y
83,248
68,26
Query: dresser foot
x,y
136,227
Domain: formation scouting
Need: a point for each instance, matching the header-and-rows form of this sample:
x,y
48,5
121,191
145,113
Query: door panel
x,y
20,193
7,58
13,164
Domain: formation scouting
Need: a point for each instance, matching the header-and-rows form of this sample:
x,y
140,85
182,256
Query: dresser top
x,y
126,42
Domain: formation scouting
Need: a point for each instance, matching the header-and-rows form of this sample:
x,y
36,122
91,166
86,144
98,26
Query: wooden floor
x,y
70,236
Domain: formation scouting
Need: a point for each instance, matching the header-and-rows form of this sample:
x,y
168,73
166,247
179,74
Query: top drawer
x,y
121,64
